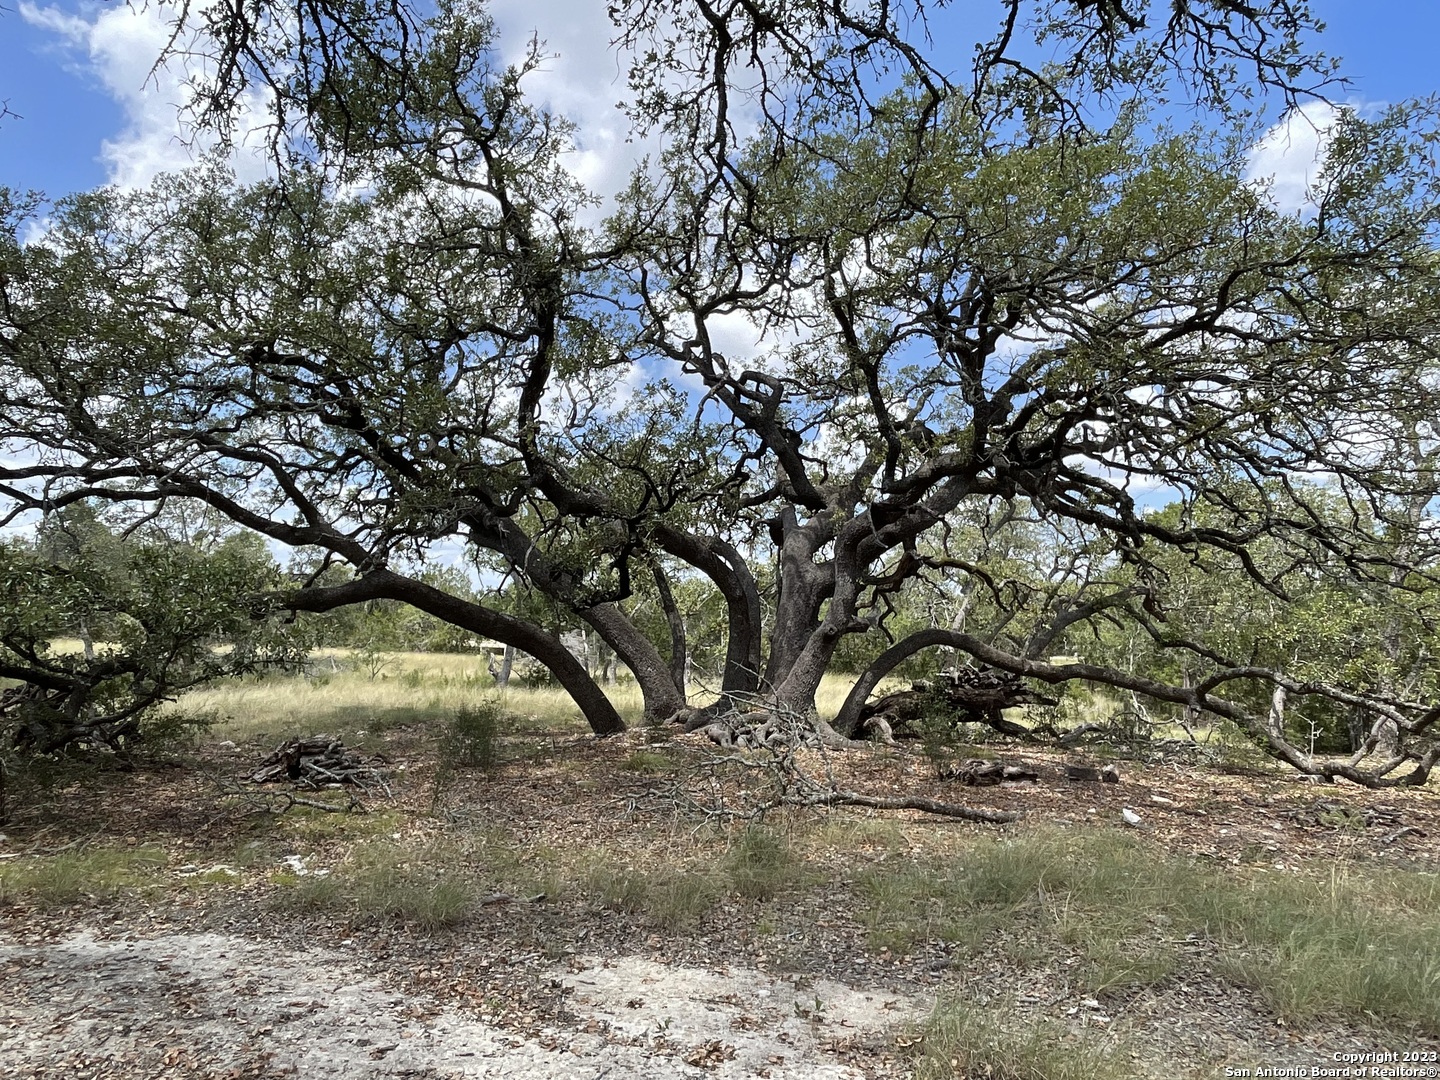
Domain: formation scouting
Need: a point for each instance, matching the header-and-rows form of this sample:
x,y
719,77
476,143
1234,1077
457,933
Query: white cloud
x,y
118,48
581,78
1290,156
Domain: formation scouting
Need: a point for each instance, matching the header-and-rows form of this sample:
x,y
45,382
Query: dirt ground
x,y
222,981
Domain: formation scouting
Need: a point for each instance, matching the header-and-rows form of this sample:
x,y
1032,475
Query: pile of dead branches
x,y
321,762
962,695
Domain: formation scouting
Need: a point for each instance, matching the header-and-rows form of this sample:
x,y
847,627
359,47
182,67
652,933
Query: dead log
x,y
979,772
1075,734
879,730
319,761
910,802
1109,774
719,734
967,695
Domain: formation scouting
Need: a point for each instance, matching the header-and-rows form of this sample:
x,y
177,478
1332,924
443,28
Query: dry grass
x,y
342,695
1354,942
963,1039
1090,911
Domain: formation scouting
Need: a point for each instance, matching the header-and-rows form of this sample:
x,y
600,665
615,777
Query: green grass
x,y
761,863
966,1040
1350,943
674,899
649,763
315,826
85,874
385,881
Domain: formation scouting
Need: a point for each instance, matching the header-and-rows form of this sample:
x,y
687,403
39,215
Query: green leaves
x,y
153,618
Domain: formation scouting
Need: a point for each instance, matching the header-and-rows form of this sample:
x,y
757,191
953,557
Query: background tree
x,y
164,617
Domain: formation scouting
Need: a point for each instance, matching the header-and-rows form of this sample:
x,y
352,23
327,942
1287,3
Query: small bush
x,y
178,726
472,738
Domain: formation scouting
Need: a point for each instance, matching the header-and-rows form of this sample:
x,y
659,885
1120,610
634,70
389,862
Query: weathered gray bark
x,y
675,621
651,670
727,570
803,589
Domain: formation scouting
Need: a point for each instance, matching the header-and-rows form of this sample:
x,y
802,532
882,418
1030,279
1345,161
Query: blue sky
x,y
76,73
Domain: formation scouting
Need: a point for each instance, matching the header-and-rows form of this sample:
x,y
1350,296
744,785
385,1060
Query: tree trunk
x,y
507,664
1276,718
679,647
663,699
803,589
727,570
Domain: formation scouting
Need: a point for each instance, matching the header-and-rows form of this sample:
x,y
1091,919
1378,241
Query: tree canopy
x,y
859,313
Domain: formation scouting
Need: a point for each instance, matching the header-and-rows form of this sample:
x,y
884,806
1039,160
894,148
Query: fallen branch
x,y
271,801
763,768
904,802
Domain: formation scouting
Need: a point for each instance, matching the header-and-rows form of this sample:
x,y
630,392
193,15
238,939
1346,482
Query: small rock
x,y
1130,817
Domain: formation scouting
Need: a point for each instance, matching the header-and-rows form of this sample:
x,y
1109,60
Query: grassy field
x,y
345,694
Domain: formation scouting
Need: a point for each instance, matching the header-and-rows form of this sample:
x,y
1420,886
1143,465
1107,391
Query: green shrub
x,y
472,738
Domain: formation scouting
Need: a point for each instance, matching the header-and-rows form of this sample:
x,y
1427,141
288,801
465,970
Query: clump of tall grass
x,y
385,881
761,863
673,898
1350,943
95,873
965,1040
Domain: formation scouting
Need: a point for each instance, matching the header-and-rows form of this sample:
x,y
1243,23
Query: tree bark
x,y
727,570
803,589
679,647
662,697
